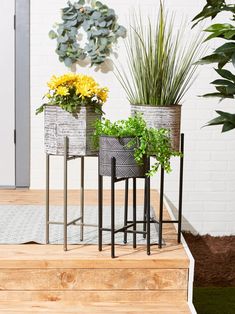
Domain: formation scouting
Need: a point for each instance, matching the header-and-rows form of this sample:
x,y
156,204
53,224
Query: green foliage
x,y
100,24
161,65
226,119
147,141
222,56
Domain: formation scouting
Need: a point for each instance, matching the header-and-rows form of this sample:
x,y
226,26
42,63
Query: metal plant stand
x,y
147,220
178,221
127,223
78,221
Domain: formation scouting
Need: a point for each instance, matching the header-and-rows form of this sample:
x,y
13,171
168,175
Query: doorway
x,y
15,99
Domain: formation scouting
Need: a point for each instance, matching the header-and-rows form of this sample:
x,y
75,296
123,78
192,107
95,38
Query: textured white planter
x,y
168,117
79,129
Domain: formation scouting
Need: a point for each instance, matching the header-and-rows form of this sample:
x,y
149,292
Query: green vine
x,y
100,24
149,142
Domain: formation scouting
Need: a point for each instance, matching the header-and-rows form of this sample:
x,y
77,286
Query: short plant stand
x,y
129,226
78,221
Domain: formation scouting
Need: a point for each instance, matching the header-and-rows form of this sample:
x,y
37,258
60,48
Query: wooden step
x,y
156,296
44,278
93,279
93,307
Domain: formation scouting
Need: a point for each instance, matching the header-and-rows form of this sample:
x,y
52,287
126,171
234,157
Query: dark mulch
x,y
214,260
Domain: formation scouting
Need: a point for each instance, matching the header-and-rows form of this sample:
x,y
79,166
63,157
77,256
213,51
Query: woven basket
x,y
126,166
168,117
78,127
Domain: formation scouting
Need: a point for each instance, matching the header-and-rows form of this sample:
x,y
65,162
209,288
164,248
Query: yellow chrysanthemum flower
x,y
102,94
62,91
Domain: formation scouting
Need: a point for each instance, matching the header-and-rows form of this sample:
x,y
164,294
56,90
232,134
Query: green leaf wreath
x,y
100,24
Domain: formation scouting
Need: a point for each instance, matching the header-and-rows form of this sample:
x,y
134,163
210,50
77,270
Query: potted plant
x,y
74,103
161,68
131,142
223,57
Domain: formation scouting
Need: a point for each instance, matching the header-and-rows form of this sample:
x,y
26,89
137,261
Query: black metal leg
x,y
126,209
65,191
145,208
100,200
47,196
161,207
148,214
181,188
82,199
113,175
134,212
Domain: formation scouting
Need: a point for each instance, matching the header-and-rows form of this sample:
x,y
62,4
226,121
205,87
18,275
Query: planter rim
x,y
51,106
117,137
157,106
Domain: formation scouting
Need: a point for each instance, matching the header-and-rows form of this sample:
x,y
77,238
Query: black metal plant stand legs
x,y
127,223
161,221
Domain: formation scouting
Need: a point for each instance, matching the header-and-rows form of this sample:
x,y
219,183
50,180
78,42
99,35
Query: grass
x,y
214,300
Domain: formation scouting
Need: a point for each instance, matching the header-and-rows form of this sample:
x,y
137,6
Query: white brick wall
x,y
209,185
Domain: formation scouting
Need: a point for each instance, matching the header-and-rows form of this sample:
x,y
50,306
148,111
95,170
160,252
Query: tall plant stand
x,y
178,221
78,221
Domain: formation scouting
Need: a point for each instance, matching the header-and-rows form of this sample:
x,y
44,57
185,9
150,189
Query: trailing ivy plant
x,y
223,57
100,24
147,141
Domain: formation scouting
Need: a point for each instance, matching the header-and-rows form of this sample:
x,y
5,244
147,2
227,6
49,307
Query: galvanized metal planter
x,y
168,117
79,129
126,166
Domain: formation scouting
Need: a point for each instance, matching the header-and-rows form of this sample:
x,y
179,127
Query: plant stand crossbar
x,y
78,221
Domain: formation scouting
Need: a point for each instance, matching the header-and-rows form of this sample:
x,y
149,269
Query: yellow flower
x,y
102,94
62,91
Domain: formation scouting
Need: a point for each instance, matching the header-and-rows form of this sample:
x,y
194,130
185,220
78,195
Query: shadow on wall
x,y
106,67
186,226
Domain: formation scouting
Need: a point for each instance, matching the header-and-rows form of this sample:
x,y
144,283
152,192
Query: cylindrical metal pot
x,y
126,166
168,117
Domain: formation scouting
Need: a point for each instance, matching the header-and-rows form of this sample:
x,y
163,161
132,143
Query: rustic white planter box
x,y
168,117
79,129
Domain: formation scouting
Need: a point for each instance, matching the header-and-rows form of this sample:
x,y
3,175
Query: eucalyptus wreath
x,y
100,24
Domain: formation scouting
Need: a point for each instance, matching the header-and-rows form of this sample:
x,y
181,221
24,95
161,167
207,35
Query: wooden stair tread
x,y
86,256
93,307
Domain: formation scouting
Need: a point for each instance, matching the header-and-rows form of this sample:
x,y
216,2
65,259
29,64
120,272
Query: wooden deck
x,y
44,278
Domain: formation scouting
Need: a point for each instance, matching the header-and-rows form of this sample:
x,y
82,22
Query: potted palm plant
x,y
74,103
131,142
161,68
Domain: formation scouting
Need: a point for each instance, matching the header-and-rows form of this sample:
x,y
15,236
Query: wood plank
x,y
92,307
166,296
88,256
93,279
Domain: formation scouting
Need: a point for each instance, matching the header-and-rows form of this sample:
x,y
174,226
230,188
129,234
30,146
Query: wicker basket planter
x,y
168,117
126,166
79,128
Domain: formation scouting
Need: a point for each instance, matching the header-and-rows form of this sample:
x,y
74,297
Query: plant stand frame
x,y
78,221
178,221
147,220
127,223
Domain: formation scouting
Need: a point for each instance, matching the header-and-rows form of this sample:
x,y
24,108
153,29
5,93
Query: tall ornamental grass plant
x,y
160,60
